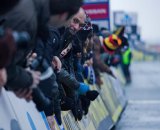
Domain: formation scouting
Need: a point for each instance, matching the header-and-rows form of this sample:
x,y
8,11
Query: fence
x,y
17,114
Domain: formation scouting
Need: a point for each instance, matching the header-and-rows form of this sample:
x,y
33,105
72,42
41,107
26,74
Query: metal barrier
x,y
17,114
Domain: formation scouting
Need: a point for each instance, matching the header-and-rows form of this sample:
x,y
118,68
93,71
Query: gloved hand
x,y
83,89
67,103
77,109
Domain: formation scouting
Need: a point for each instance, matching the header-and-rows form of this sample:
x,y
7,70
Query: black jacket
x,y
50,47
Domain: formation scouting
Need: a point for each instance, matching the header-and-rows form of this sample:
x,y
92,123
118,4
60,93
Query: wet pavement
x,y
143,109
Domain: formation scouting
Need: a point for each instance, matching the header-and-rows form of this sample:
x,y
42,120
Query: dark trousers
x,y
126,72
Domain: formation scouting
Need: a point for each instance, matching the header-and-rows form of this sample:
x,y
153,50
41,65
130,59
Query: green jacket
x,y
126,57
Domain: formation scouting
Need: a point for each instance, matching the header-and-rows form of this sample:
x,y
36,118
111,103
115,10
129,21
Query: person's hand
x,y
36,78
3,77
27,93
89,62
112,74
65,51
99,81
56,63
109,71
30,58
24,93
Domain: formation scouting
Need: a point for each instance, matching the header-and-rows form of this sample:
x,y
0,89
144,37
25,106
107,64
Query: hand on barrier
x,y
67,103
56,63
89,74
83,89
99,81
3,77
85,104
77,110
30,58
24,93
112,74
36,78
42,102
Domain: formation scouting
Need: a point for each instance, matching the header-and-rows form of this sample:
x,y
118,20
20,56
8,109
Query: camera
x,y
9,42
20,38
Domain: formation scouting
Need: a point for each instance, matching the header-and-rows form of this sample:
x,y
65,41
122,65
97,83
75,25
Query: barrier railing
x,y
17,114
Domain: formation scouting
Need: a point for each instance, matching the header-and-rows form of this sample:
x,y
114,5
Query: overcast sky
x,y
148,16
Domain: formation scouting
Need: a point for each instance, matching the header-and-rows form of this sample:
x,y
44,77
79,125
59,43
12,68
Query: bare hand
x,y
36,78
112,74
66,50
31,58
3,77
99,81
56,63
24,93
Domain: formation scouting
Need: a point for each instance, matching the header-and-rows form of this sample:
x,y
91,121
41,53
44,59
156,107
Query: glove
x,y
83,89
67,104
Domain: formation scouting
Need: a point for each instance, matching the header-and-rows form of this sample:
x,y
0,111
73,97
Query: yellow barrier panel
x,y
103,112
108,95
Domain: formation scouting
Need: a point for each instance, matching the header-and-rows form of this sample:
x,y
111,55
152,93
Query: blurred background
x,y
141,19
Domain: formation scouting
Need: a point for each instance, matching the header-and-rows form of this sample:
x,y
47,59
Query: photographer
x,y
67,75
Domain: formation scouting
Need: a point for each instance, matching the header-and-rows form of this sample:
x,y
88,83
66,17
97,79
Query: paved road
x,y
143,109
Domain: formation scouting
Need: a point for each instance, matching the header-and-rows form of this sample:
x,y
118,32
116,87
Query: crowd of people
x,y
51,53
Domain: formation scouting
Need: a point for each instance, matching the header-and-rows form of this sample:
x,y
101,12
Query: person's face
x,y
77,22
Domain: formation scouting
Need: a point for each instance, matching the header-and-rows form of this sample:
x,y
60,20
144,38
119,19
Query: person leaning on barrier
x,y
67,75
66,56
64,76
49,48
33,20
72,7
56,49
98,64
79,50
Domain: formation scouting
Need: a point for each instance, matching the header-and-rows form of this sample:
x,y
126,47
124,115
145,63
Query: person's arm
x,y
65,78
19,78
97,60
57,64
